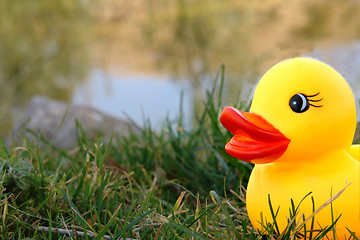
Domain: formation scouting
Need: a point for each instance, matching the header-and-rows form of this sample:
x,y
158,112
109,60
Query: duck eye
x,y
299,103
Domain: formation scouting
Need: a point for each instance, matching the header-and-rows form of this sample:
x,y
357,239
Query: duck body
x,y
282,184
298,134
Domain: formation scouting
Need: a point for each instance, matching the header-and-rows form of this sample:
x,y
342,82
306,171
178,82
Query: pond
x,y
139,58
140,98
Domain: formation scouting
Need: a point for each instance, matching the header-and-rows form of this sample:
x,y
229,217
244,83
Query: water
x,y
125,58
141,98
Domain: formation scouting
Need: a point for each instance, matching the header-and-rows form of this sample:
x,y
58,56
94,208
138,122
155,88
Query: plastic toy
x,y
299,135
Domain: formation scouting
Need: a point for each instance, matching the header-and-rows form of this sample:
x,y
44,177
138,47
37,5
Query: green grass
x,y
172,184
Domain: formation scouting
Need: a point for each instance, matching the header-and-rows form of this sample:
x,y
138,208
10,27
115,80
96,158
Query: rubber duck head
x,y
302,108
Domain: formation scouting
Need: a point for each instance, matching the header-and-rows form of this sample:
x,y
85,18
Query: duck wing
x,y
355,151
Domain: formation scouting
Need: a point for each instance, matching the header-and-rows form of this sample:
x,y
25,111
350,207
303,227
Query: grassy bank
x,y
173,184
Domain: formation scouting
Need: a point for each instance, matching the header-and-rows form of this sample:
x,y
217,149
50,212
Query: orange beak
x,y
255,139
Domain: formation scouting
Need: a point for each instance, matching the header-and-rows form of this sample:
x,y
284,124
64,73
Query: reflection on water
x,y
46,47
189,37
42,51
139,97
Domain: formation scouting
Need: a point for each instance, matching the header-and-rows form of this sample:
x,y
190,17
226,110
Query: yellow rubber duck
x,y
299,135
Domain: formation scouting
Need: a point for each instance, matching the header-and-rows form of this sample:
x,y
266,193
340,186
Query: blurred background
x,y
137,58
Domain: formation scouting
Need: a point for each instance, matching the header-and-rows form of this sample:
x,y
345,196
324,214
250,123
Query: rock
x,y
46,117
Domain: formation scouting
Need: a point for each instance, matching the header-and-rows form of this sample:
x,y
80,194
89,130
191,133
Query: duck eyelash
x,y
314,100
315,105
309,96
